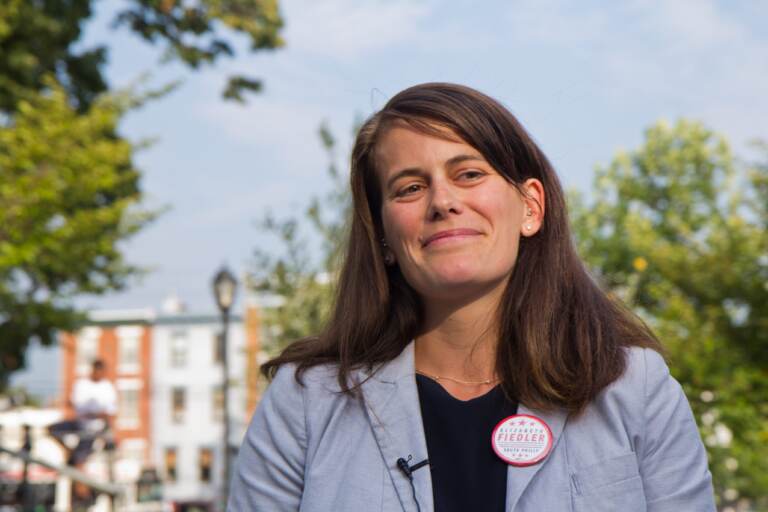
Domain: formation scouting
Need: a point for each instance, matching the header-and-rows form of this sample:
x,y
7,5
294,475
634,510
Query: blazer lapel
x,y
518,478
392,403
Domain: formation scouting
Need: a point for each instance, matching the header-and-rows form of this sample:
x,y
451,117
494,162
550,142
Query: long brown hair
x,y
560,336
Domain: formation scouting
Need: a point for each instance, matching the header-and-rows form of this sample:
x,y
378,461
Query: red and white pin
x,y
522,440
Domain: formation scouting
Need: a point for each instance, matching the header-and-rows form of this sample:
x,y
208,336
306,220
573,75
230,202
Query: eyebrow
x,y
416,171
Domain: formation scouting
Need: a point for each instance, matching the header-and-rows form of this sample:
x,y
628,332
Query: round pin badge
x,y
522,440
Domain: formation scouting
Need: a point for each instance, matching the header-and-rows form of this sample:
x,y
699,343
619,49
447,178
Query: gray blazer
x,y
311,448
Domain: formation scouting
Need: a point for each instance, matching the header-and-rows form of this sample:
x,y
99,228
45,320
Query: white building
x,y
187,403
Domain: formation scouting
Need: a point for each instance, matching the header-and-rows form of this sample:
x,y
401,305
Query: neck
x,y
459,338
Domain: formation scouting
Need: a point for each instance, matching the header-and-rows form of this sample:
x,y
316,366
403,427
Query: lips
x,y
450,233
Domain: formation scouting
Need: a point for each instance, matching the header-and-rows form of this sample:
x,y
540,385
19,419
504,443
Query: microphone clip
x,y
407,469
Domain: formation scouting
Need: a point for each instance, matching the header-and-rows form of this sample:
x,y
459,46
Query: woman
x,y
470,363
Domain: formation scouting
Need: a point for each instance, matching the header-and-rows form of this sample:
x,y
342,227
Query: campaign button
x,y
522,440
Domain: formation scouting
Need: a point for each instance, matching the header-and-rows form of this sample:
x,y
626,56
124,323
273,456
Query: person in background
x,y
94,401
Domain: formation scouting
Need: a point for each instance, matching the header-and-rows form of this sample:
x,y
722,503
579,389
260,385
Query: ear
x,y
532,194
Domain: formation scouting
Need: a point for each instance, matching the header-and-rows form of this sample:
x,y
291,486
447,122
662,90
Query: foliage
x,y
192,31
677,229
303,284
68,190
37,38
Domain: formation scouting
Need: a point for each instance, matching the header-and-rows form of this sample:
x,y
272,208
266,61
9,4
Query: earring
x,y
528,227
389,258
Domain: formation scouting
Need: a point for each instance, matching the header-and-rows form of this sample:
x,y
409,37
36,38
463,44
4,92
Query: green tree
x,y
69,195
38,38
303,284
677,229
69,192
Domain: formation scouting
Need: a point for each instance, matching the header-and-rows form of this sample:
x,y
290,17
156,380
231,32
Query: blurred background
x,y
152,148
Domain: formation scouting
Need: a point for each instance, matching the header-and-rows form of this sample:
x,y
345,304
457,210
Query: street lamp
x,y
224,287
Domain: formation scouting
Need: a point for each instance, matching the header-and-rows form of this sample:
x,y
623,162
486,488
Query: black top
x,y
466,473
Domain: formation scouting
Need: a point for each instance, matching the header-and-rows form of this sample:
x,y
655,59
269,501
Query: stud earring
x,y
389,258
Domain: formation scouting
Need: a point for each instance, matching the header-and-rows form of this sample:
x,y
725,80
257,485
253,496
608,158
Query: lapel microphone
x,y
407,470
402,464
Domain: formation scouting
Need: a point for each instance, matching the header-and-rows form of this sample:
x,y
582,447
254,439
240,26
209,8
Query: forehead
x,y
401,145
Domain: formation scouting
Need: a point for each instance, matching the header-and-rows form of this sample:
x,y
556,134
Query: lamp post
x,y
224,287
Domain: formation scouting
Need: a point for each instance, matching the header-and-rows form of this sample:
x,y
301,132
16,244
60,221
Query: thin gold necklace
x,y
437,378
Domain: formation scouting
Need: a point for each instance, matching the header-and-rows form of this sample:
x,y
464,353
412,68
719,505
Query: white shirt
x,y
91,397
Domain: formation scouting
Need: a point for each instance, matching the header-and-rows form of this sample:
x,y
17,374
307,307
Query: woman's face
x,y
451,221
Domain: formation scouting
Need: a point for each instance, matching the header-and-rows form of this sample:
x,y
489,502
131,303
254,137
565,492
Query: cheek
x,y
400,224
502,210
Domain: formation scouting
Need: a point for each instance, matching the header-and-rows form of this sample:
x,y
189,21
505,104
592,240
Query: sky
x,y
585,78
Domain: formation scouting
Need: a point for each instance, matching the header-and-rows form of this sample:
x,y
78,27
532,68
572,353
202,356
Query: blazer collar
x,y
391,401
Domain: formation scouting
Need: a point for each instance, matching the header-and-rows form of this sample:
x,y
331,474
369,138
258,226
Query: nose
x,y
443,201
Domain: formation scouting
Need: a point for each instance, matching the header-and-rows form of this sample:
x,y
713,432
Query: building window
x,y
128,408
178,404
87,349
128,353
217,402
205,464
170,464
218,348
178,349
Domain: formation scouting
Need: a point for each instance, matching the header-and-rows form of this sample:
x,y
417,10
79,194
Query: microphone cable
x,y
407,470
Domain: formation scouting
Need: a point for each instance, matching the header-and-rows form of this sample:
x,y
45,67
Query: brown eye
x,y
410,189
472,174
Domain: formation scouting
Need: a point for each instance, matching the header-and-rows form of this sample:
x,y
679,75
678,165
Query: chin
x,y
469,271
457,279
458,284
